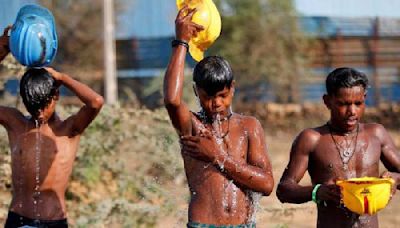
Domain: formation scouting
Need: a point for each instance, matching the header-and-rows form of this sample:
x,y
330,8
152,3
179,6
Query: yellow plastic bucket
x,y
207,15
366,195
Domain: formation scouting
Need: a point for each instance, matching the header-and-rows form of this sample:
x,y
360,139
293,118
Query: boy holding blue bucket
x,y
43,146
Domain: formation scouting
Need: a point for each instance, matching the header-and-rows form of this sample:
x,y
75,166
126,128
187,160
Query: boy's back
x,y
43,147
42,158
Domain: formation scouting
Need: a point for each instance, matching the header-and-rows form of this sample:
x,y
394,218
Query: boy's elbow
x,y
98,102
171,102
268,190
267,187
280,193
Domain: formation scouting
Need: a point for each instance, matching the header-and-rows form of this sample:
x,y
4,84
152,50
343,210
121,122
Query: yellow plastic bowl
x,y
366,195
207,15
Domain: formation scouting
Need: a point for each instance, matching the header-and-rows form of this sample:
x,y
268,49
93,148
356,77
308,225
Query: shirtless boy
x,y
340,149
43,146
224,153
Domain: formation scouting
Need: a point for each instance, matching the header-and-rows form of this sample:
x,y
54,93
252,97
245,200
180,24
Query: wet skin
x,y
222,197
57,140
315,151
220,170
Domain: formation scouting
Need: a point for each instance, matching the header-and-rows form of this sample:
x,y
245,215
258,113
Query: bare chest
x,y
230,135
345,159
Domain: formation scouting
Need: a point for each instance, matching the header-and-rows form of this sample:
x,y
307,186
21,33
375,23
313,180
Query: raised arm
x,y
92,101
390,157
289,190
173,81
4,44
9,117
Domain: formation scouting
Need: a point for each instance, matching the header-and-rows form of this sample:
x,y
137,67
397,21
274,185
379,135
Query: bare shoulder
x,y
311,134
375,129
65,126
12,111
11,115
308,139
249,122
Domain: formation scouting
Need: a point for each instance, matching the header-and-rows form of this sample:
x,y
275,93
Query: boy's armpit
x,y
181,119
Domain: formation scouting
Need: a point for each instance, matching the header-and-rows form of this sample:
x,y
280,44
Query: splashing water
x,y
222,139
217,129
20,182
234,196
36,193
225,198
254,198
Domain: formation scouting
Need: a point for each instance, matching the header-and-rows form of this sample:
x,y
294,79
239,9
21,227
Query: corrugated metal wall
x,y
144,19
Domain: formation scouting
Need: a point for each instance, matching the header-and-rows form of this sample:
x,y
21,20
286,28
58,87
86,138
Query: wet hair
x,y
213,74
345,78
37,89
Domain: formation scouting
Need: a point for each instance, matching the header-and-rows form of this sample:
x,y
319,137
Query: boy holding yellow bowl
x,y
343,148
224,153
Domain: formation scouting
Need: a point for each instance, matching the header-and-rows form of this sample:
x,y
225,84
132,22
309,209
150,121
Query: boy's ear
x,y
233,86
326,99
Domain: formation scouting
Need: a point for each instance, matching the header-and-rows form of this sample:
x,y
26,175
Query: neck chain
x,y
346,152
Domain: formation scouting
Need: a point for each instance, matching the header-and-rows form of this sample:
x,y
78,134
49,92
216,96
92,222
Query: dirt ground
x,y
273,214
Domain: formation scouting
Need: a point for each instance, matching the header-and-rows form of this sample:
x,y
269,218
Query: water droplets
x,y
254,199
36,194
217,129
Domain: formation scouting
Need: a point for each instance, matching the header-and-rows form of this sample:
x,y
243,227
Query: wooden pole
x,y
110,77
374,63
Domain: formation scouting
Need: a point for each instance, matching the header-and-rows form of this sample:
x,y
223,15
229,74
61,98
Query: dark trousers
x,y
15,220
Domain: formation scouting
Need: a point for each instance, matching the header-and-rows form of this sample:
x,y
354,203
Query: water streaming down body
x,y
229,198
229,187
20,180
217,134
254,198
36,193
217,129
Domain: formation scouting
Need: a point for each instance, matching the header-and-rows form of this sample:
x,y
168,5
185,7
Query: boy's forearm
x,y
293,193
83,92
249,176
174,77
